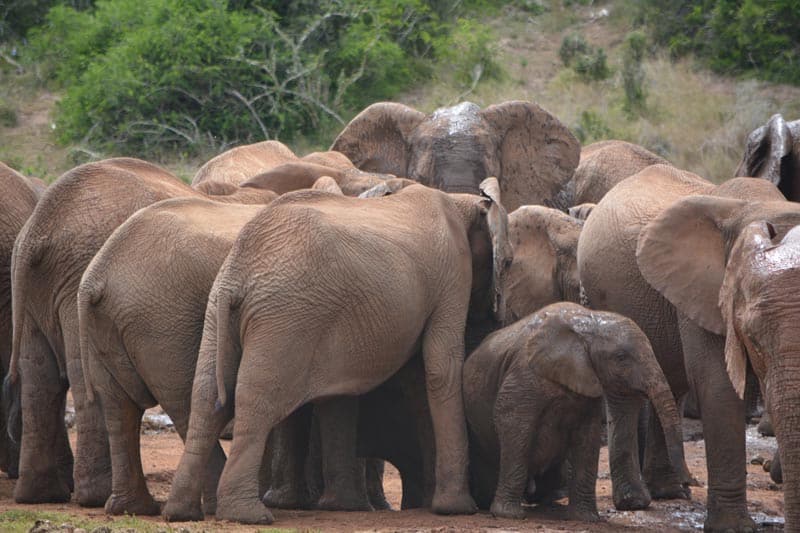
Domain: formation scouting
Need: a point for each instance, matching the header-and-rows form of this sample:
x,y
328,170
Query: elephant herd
x,y
467,294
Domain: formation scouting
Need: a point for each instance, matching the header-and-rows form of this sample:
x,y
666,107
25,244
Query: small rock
x,y
102,529
757,460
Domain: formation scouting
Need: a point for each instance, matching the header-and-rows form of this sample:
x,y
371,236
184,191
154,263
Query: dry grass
x,y
697,120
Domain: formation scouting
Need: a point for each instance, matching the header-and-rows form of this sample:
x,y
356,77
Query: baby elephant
x,y
533,398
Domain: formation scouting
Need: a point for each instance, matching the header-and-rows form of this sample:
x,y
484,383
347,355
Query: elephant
x,y
532,154
70,223
670,231
272,165
344,309
604,164
772,152
17,204
544,269
140,321
533,397
243,162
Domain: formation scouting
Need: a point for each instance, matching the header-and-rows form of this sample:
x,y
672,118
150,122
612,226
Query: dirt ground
x,y
161,452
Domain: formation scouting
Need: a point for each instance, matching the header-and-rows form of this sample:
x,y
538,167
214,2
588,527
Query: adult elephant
x,y
544,269
357,240
68,226
272,165
604,164
670,231
532,154
16,205
772,152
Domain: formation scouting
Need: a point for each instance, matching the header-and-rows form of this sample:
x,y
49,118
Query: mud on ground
x,y
161,450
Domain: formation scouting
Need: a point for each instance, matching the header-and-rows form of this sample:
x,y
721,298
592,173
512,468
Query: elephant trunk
x,y
783,396
667,411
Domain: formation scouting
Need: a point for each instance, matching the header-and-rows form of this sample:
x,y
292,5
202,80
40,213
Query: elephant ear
x,y
376,140
502,253
291,177
765,148
756,237
537,153
558,353
682,254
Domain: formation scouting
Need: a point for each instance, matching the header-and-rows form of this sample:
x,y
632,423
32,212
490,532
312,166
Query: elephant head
x,y
532,154
733,267
544,269
594,353
773,153
238,164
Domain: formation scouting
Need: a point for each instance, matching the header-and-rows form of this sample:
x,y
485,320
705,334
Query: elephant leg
x,y
45,459
663,480
257,412
752,393
374,473
628,490
584,456
443,355
515,416
206,422
343,472
722,414
775,468
287,450
129,494
92,455
10,425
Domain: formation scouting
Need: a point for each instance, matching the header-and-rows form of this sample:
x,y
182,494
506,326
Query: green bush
x,y
755,37
591,127
8,114
588,62
149,75
633,77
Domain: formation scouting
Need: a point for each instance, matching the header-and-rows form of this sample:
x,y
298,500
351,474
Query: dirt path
x,y
161,453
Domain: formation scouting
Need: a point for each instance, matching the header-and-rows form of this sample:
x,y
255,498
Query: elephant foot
x,y
51,489
246,512
728,522
670,491
285,498
339,502
379,503
141,504
583,515
507,509
182,512
456,503
93,492
631,498
765,427
210,504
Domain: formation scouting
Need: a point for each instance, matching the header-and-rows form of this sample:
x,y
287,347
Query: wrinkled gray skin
x,y
141,320
544,269
671,232
16,205
772,152
427,308
533,396
759,311
530,152
70,223
602,165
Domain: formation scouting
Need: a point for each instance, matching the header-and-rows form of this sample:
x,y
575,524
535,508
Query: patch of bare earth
x,y
161,453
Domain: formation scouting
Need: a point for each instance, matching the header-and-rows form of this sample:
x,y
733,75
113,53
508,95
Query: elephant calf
x,y
533,399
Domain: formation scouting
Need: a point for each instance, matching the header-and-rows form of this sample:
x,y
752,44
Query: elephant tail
x,y
227,363
24,257
90,293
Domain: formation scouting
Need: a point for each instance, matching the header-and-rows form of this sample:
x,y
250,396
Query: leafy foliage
x,y
633,78
18,16
588,62
758,37
150,75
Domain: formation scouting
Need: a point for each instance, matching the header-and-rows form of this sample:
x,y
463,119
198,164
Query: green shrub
x,y
591,127
633,77
152,75
588,62
8,114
